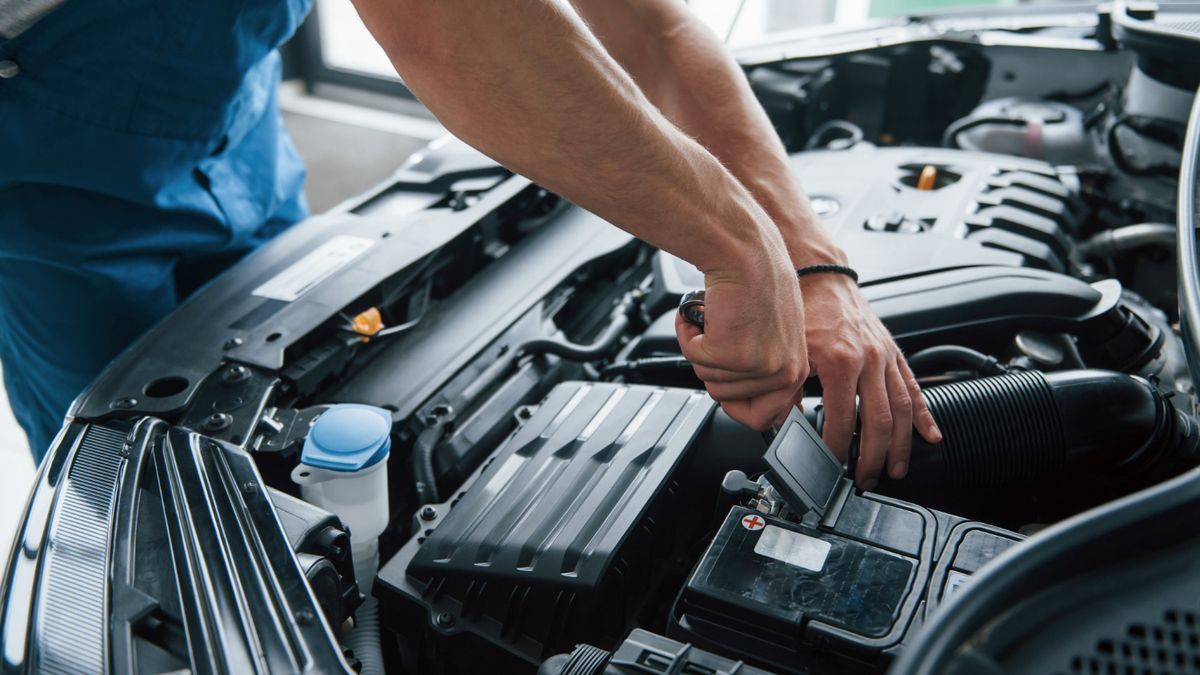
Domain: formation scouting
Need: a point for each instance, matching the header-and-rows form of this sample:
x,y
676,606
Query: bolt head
x,y
250,487
233,342
445,620
428,513
234,374
123,403
305,616
217,422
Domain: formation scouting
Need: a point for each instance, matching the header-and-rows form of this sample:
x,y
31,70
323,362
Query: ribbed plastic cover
x,y
560,498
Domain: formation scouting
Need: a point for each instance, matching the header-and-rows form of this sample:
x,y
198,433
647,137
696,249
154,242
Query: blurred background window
x,y
345,44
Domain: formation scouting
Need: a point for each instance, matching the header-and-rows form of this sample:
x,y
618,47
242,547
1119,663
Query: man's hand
x,y
751,353
850,351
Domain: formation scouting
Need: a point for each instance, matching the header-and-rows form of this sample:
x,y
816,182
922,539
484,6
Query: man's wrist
x,y
808,242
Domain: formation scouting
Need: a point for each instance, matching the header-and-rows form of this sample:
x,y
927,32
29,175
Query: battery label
x,y
954,582
793,548
313,268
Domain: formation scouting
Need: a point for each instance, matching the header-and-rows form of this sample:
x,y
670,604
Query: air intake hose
x,y
1026,427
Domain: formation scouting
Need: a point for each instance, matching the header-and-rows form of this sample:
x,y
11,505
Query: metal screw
x,y
445,620
234,374
428,513
304,616
9,69
123,403
250,487
217,422
524,413
233,342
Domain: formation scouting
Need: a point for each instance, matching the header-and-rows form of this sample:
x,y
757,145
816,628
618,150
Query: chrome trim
x,y
20,579
1185,242
71,600
246,605
71,611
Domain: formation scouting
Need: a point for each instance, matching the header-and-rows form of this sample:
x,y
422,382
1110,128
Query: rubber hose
x,y
577,352
364,640
948,357
599,348
1107,244
1029,426
423,473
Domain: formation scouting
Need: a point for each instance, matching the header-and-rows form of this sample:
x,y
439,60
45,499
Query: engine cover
x,y
982,209
562,534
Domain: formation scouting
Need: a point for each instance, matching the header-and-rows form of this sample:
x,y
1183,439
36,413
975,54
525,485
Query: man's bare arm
x,y
686,71
526,82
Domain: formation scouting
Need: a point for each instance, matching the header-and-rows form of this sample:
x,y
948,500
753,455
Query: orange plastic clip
x,y
368,323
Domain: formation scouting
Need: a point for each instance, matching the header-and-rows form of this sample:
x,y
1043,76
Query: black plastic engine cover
x,y
560,536
985,209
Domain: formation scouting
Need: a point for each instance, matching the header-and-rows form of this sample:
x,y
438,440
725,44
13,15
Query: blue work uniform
x,y
141,151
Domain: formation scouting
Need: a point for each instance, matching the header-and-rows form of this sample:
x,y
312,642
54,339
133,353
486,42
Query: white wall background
x,y
16,475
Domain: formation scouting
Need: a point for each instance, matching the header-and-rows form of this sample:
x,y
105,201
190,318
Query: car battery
x,y
834,582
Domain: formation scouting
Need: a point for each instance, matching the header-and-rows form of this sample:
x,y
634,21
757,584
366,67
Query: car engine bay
x,y
560,495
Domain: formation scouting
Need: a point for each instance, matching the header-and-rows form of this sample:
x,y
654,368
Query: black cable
x,y
424,476
947,357
646,364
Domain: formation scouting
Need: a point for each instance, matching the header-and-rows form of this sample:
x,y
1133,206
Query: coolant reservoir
x,y
343,469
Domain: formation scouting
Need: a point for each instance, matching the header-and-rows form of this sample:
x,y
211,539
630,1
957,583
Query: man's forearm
x,y
685,71
526,83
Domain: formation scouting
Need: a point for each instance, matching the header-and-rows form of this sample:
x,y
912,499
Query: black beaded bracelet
x,y
829,267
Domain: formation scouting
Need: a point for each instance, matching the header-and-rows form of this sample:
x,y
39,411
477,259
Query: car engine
x,y
560,495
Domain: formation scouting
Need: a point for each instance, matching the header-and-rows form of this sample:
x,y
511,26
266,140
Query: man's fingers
x,y
691,342
759,412
923,420
902,420
840,412
710,374
797,402
727,392
876,423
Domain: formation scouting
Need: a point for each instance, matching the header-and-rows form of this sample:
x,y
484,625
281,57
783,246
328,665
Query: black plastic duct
x,y
1028,427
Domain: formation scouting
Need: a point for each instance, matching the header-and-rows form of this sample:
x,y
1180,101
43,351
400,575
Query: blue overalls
x,y
141,151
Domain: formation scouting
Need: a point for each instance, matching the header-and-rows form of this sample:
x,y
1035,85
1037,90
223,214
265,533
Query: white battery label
x,y
954,582
793,548
302,275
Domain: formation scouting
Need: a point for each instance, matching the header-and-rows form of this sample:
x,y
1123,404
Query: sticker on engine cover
x,y
793,548
313,268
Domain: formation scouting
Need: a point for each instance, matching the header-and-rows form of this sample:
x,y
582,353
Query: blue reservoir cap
x,y
348,437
